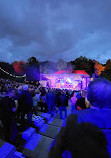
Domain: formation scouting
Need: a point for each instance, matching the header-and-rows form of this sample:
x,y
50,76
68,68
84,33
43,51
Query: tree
x,y
99,68
32,61
19,67
106,74
108,65
8,67
82,63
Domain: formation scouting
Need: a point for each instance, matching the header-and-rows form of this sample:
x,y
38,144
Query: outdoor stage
x,y
66,81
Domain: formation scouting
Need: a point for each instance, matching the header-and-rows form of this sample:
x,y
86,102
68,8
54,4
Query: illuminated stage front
x,y
66,81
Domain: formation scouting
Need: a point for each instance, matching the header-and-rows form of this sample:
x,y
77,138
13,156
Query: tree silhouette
x,y
106,74
32,61
108,65
82,63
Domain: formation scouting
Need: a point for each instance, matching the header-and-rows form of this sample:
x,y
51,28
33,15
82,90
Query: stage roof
x,y
73,72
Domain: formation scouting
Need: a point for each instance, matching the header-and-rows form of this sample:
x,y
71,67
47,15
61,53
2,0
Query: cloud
x,y
53,29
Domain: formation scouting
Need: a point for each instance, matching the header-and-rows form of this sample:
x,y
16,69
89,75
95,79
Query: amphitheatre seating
x,y
55,122
18,155
37,142
32,142
45,115
27,134
37,145
51,120
39,122
41,149
57,116
9,151
49,130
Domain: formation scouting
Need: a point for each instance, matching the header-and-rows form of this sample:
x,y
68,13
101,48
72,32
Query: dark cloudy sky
x,y
53,29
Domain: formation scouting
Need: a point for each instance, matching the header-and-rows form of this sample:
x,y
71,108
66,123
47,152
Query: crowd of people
x,y
87,132
18,100
90,112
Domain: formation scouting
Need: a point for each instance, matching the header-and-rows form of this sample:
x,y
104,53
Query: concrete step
x,y
7,150
57,116
27,134
39,148
55,122
32,143
49,130
39,124
18,155
45,115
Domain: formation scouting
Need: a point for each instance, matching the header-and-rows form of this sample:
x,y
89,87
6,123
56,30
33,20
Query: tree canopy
x,y
32,61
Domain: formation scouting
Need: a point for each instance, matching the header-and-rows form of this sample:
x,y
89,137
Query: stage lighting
x,y
69,80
